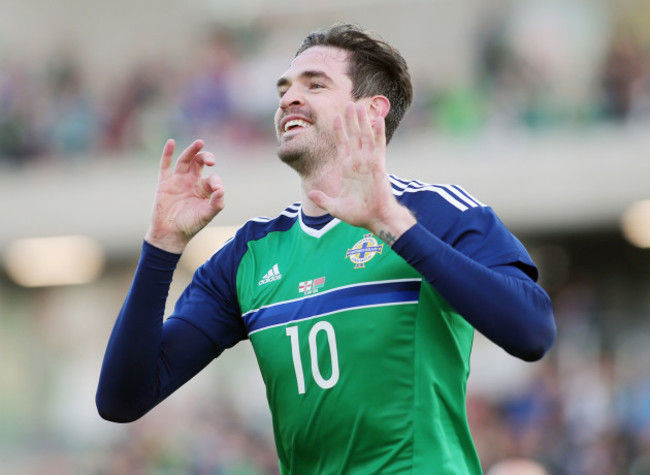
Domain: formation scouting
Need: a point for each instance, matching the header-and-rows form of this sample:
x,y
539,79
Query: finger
x,y
352,125
379,128
204,188
217,201
342,140
167,157
366,135
211,184
200,160
205,157
185,160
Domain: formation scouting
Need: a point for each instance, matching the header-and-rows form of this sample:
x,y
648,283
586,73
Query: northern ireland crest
x,y
364,250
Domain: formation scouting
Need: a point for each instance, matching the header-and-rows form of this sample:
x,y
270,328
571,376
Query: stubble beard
x,y
308,158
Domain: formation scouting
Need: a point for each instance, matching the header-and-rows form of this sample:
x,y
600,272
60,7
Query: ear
x,y
378,107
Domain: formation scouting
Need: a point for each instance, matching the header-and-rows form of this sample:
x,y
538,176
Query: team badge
x,y
309,287
364,250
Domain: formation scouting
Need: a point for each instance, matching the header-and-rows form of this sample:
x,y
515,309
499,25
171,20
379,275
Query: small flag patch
x,y
311,286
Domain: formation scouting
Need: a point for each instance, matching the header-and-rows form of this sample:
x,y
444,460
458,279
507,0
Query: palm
x,y
364,188
364,193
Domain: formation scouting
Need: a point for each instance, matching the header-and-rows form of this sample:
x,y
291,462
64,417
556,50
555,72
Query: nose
x,y
291,97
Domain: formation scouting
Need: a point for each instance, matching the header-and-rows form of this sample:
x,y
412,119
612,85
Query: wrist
x,y
390,228
169,243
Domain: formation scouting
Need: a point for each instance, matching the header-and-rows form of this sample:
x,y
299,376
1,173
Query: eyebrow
x,y
309,74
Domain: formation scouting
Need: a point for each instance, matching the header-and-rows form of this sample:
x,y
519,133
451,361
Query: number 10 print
x,y
292,332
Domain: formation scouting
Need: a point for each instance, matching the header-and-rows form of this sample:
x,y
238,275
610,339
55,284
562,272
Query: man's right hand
x,y
185,201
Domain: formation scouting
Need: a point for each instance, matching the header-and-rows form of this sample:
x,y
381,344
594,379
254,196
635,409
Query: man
x,y
360,302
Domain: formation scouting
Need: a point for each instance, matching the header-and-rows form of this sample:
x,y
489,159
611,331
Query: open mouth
x,y
295,124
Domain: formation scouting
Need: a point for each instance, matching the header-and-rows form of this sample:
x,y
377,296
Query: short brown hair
x,y
375,67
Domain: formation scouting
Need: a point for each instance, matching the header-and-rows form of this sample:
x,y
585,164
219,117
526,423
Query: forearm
x,y
513,312
129,372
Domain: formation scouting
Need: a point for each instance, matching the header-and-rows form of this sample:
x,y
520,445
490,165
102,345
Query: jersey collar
x,y
316,226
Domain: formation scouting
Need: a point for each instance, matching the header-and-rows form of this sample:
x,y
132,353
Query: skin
x,y
340,157
184,202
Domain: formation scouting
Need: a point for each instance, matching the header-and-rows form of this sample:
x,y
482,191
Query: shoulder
x,y
255,229
438,206
453,197
224,262
462,221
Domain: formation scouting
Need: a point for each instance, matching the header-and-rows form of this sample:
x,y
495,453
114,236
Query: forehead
x,y
332,61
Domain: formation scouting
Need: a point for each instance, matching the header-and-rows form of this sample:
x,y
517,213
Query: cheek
x,y
276,117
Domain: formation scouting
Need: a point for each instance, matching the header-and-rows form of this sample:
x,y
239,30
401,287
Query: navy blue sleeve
x,y
494,291
146,359
210,302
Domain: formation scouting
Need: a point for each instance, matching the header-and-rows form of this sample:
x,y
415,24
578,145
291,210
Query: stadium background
x,y
539,108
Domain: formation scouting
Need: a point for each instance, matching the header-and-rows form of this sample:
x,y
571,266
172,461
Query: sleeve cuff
x,y
158,258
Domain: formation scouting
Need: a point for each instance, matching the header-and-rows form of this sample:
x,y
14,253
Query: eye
x,y
282,92
316,85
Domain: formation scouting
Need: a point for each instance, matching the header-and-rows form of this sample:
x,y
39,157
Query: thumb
x,y
321,200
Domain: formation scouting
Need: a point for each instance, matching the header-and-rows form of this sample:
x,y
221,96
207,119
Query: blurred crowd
x,y
534,68
586,411
54,113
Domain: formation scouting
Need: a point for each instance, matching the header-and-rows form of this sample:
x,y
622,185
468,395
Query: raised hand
x,y
365,196
185,201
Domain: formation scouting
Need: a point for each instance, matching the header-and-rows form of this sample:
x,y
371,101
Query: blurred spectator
x,y
19,137
124,112
622,68
207,95
73,123
539,61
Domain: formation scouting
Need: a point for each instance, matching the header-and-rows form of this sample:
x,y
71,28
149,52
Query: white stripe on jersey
x,y
458,194
336,289
468,196
454,194
290,212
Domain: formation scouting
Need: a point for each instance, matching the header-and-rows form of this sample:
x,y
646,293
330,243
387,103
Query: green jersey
x,y
365,364
349,341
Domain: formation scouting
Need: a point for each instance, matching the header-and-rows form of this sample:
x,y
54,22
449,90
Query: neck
x,y
327,180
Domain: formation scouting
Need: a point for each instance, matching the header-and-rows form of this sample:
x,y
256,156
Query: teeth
x,y
295,123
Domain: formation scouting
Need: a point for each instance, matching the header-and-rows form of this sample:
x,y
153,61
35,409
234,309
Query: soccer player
x,y
360,302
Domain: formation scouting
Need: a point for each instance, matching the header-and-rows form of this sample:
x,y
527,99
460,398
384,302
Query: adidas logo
x,y
271,275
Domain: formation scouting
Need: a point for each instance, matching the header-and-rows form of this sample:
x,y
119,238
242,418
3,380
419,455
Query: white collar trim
x,y
317,233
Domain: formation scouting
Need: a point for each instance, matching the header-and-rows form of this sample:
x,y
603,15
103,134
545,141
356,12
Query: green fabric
x,y
382,389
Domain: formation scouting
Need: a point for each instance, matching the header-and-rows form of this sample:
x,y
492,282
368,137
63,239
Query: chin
x,y
289,156
296,159
289,150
